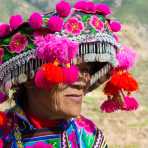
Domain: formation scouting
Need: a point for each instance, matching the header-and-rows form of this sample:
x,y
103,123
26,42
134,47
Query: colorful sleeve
x,y
90,136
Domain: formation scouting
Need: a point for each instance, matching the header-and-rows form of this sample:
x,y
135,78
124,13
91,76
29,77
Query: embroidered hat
x,y
48,47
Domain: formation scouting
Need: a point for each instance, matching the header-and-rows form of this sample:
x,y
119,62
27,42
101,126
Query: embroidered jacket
x,y
74,133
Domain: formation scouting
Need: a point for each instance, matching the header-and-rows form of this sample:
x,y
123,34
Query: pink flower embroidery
x,y
86,124
74,26
1,55
40,145
96,23
18,43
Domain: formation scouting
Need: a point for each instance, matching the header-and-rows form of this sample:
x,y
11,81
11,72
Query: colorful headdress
x,y
48,47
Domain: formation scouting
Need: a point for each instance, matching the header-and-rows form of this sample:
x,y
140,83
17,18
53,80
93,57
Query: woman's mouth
x,y
74,97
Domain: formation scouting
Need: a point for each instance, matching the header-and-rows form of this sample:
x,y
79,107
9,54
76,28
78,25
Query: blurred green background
x,y
121,129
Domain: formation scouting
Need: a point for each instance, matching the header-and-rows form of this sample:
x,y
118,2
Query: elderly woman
x,y
48,64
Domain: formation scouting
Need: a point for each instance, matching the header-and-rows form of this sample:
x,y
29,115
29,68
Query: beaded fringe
x,y
23,66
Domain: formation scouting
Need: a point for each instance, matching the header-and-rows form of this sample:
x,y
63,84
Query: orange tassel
x,y
124,80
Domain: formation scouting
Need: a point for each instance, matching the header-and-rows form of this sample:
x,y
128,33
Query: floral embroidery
x,y
96,23
86,124
18,43
74,26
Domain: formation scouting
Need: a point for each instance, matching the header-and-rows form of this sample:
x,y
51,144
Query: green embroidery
x,y
54,142
85,18
93,30
8,55
101,17
6,41
31,46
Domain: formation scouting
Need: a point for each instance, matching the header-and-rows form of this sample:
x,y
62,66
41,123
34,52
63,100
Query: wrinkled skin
x,y
62,101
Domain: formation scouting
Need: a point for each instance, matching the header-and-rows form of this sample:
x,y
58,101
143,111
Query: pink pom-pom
x,y
55,24
115,26
85,6
40,80
72,48
3,97
130,103
103,9
71,74
4,30
110,106
35,20
63,8
16,21
126,58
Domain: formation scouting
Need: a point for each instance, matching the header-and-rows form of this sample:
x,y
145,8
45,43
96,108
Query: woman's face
x,y
62,101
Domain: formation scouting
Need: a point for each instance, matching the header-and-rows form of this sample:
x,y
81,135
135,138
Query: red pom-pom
x,y
3,119
53,73
124,80
63,8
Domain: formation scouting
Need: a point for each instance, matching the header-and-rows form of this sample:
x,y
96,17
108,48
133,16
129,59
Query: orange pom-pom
x,y
124,80
3,119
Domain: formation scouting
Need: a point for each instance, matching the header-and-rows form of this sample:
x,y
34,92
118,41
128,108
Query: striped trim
x,y
99,74
99,141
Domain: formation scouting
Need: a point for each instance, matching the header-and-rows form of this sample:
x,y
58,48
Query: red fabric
x,y
39,123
